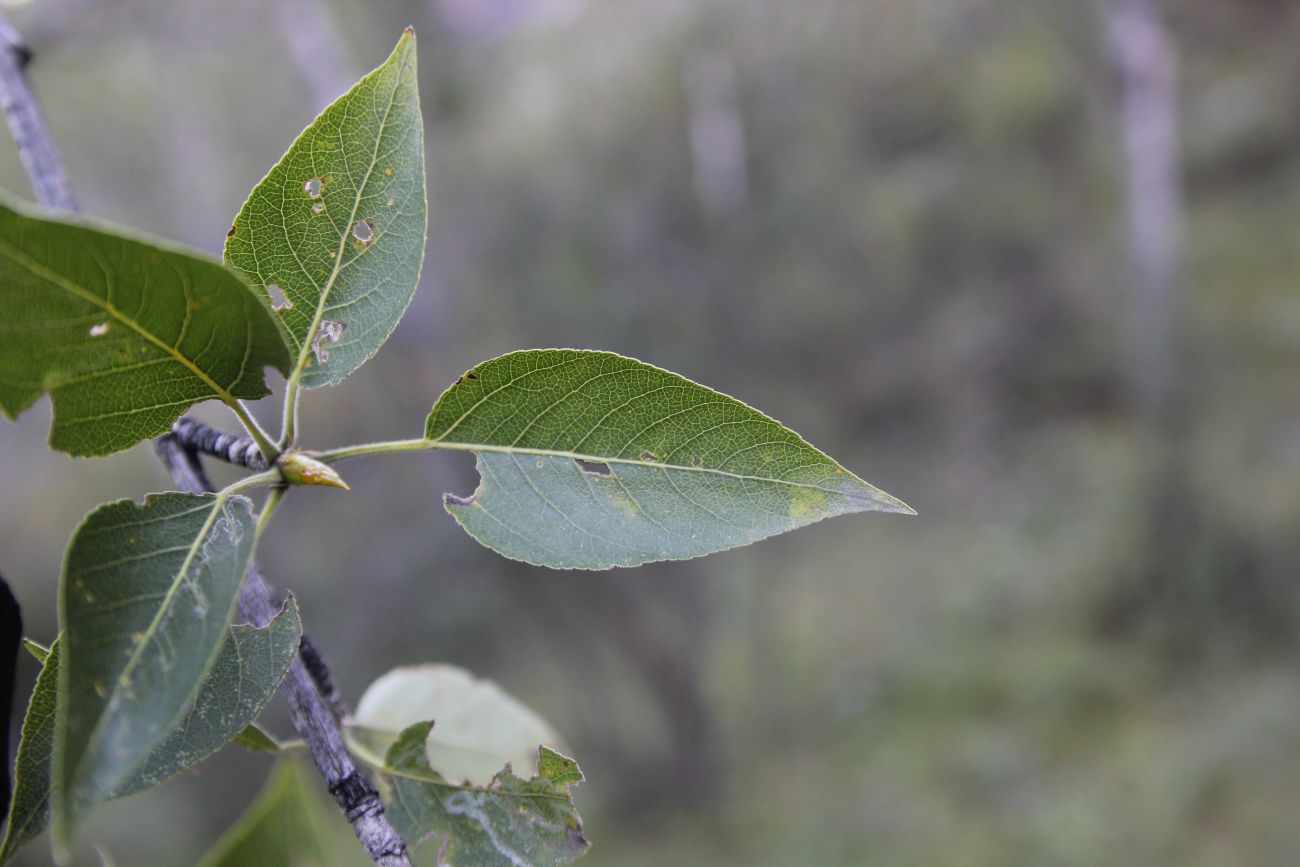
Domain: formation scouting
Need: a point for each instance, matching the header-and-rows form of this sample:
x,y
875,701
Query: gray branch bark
x,y
314,704
35,147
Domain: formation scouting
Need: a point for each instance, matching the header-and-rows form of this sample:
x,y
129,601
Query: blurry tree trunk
x,y
1170,553
717,134
1147,72
319,51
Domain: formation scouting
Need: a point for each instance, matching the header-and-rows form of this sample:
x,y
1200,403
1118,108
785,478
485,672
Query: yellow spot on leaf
x,y
807,503
624,502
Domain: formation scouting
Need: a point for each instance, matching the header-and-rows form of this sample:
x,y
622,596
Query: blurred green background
x,y
899,227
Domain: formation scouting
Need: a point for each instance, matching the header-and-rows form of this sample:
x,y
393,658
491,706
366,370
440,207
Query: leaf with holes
x,y
29,811
338,223
124,333
145,601
510,822
590,460
481,728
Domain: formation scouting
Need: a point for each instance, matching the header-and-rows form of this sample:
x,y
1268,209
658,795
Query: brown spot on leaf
x,y
697,461
649,456
231,233
453,500
573,837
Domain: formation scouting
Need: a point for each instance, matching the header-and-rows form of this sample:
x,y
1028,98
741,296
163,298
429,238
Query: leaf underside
x,y
145,598
123,333
590,460
248,670
512,822
250,666
338,224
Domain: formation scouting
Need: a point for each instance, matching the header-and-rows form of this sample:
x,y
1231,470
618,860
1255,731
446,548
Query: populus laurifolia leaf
x,y
288,826
145,600
511,822
124,333
29,811
338,223
249,668
245,676
589,460
479,727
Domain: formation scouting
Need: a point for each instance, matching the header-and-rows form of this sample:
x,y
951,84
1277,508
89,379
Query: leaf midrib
x,y
600,459
339,264
39,270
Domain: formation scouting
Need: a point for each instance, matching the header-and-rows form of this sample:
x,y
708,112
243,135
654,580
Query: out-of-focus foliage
x,y
893,224
290,823
478,729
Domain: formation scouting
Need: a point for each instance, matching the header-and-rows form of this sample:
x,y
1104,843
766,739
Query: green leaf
x,y
509,823
480,727
590,460
145,600
247,672
249,668
288,826
38,651
125,333
257,739
29,811
338,223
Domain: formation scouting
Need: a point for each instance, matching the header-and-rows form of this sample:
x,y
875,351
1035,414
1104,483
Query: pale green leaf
x,y
145,600
338,223
125,333
590,460
29,811
288,826
512,822
247,672
479,727
38,651
254,737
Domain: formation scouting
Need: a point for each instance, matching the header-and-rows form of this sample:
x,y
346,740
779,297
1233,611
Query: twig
x,y
313,702
35,147
238,449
